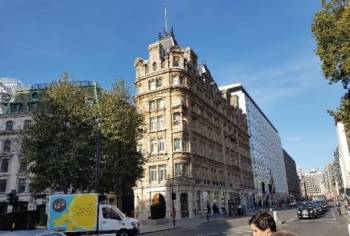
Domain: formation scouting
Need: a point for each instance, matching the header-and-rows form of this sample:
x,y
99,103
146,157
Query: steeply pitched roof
x,y
167,40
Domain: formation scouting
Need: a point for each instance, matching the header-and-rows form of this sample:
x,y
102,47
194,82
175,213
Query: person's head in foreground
x,y
262,224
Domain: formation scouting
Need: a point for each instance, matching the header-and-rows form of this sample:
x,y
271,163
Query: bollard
x,y
275,216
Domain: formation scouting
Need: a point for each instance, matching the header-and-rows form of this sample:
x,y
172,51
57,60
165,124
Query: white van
x,y
81,214
113,221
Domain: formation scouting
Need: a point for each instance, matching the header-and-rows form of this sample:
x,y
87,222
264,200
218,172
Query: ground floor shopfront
x,y
191,200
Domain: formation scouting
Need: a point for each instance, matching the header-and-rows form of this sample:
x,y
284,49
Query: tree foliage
x,y
60,147
331,30
121,128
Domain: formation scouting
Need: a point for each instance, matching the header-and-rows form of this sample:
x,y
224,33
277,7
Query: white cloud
x,y
283,81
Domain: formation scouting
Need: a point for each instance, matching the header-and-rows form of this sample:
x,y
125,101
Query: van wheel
x,y
123,232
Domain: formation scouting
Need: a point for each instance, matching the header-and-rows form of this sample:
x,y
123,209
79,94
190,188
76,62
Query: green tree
x,y
120,127
60,146
331,30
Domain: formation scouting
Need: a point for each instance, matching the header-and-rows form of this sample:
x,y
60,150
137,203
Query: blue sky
x,y
265,45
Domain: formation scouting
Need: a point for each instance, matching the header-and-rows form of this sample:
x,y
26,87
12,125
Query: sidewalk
x,y
149,226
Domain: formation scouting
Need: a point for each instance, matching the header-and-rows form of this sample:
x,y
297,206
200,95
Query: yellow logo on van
x,y
80,215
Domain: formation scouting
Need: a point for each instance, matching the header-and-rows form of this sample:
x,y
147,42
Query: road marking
x,y
333,214
291,219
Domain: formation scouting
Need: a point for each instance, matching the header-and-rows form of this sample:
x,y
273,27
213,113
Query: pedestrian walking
x,y
208,211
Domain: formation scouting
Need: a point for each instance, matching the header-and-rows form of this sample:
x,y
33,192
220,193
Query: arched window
x,y
154,66
146,69
9,125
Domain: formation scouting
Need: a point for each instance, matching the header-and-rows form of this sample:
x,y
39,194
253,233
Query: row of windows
x,y
158,145
156,104
4,165
21,185
176,63
157,122
159,173
9,125
156,83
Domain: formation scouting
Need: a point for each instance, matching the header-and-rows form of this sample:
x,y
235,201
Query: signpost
x,y
205,197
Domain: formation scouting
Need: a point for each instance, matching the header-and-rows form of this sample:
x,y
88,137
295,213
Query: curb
x,y
160,230
214,220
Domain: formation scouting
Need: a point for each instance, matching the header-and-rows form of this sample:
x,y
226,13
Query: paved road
x,y
328,225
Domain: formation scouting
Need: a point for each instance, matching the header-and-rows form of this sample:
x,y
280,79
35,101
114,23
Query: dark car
x,y
318,206
323,205
307,210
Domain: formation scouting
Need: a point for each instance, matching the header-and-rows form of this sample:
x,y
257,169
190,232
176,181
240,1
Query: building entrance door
x,y
184,204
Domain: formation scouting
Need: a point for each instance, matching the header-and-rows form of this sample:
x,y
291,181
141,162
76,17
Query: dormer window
x,y
9,125
154,66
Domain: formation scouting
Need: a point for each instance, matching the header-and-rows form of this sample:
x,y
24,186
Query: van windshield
x,y
120,213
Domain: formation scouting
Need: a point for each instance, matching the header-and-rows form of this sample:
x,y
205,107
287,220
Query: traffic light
x,y
173,196
12,198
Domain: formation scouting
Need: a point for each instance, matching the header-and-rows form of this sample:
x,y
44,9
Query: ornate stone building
x,y
195,140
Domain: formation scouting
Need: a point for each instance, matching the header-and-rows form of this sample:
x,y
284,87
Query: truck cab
x,y
113,221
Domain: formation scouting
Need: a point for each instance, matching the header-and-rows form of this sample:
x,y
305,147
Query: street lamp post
x,y
97,178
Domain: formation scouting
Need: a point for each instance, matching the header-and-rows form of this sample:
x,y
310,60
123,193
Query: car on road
x,y
307,210
324,205
318,206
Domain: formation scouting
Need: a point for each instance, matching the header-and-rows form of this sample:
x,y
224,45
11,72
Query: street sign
x,y
205,195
